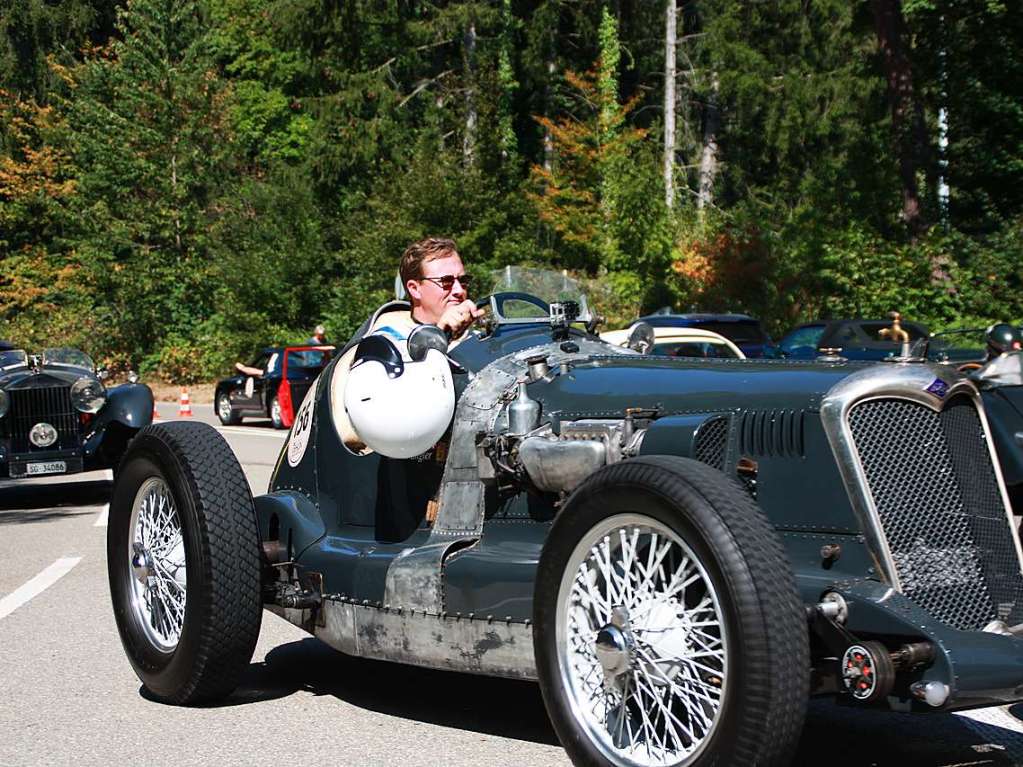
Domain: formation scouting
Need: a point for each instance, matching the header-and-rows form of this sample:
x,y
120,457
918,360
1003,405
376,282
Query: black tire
x,y
224,406
220,541
762,703
273,409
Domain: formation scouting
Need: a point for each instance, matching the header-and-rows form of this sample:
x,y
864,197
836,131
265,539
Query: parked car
x,y
682,342
855,339
57,417
744,331
680,553
288,372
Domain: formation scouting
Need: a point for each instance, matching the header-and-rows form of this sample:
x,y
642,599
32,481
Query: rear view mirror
x,y
426,337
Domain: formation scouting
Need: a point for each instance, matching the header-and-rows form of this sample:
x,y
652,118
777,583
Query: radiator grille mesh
x,y
935,490
711,440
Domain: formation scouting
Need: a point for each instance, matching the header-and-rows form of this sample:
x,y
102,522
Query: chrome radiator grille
x,y
937,497
51,404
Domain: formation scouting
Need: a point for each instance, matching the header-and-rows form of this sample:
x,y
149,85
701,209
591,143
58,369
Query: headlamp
x,y
88,395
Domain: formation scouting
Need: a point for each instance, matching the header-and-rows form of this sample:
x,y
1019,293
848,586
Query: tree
x,y
40,283
34,31
149,129
906,113
670,42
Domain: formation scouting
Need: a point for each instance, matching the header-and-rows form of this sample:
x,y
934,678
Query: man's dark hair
x,y
418,253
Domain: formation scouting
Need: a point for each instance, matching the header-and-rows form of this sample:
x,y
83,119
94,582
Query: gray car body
x,y
458,594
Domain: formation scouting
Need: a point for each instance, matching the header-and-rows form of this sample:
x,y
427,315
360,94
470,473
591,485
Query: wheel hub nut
x,y
141,563
612,650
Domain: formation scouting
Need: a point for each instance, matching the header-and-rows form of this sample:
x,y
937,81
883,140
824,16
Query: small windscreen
x,y
526,293
68,357
13,358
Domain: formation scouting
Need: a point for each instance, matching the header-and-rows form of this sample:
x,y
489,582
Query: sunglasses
x,y
447,282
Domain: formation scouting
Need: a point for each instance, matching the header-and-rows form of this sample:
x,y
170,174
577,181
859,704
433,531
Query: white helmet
x,y
397,407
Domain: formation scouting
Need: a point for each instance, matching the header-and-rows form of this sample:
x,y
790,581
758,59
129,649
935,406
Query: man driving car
x,y
434,277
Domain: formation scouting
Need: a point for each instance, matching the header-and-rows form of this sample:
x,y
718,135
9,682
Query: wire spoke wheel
x,y
668,631
642,642
183,563
156,557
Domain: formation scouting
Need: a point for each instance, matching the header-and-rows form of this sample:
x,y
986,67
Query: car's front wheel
x,y
225,413
183,562
668,630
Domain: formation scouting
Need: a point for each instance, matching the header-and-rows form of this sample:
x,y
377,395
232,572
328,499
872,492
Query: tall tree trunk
x,y
548,110
890,27
709,154
471,116
174,196
670,39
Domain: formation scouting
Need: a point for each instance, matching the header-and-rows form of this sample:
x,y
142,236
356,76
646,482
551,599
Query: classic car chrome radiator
x,y
51,404
938,501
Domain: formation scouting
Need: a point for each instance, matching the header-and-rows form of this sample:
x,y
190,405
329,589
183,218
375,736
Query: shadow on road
x,y
43,503
840,736
834,735
486,705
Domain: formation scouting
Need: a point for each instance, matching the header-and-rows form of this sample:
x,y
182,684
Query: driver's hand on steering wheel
x,y
457,318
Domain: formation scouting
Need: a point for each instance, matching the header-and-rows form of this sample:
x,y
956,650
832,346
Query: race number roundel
x,y
302,427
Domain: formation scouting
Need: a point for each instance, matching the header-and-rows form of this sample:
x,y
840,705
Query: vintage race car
x,y
56,416
681,552
288,372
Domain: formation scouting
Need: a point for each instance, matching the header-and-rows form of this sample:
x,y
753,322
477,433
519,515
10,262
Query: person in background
x,y
319,336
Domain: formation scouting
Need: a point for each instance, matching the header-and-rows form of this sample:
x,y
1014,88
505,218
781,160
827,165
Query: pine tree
x,y
148,124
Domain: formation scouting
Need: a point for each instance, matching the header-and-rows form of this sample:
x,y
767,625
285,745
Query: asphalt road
x,y
68,695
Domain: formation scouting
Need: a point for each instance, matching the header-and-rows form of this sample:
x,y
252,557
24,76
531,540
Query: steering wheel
x,y
969,367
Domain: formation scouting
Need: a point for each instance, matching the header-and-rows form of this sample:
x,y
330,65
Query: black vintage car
x,y
57,417
287,373
679,551
854,339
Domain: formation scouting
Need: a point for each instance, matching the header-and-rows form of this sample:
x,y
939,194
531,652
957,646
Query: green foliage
x,y
205,177
35,32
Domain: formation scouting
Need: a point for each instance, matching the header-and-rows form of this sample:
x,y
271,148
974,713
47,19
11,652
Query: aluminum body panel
x,y
449,643
496,576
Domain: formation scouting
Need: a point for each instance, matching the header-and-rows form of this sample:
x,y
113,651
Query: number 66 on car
x,y
679,551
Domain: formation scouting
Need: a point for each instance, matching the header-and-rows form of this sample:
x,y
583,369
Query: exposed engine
x,y
522,451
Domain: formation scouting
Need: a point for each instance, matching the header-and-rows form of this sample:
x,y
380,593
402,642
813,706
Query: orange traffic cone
x,y
155,414
185,410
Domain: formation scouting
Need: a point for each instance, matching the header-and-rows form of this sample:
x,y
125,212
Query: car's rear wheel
x,y
668,630
276,416
225,413
183,563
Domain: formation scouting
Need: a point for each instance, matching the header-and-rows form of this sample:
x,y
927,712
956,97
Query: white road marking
x,y
104,515
37,585
278,433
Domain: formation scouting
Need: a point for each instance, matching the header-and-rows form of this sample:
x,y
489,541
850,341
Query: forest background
x,y
184,181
